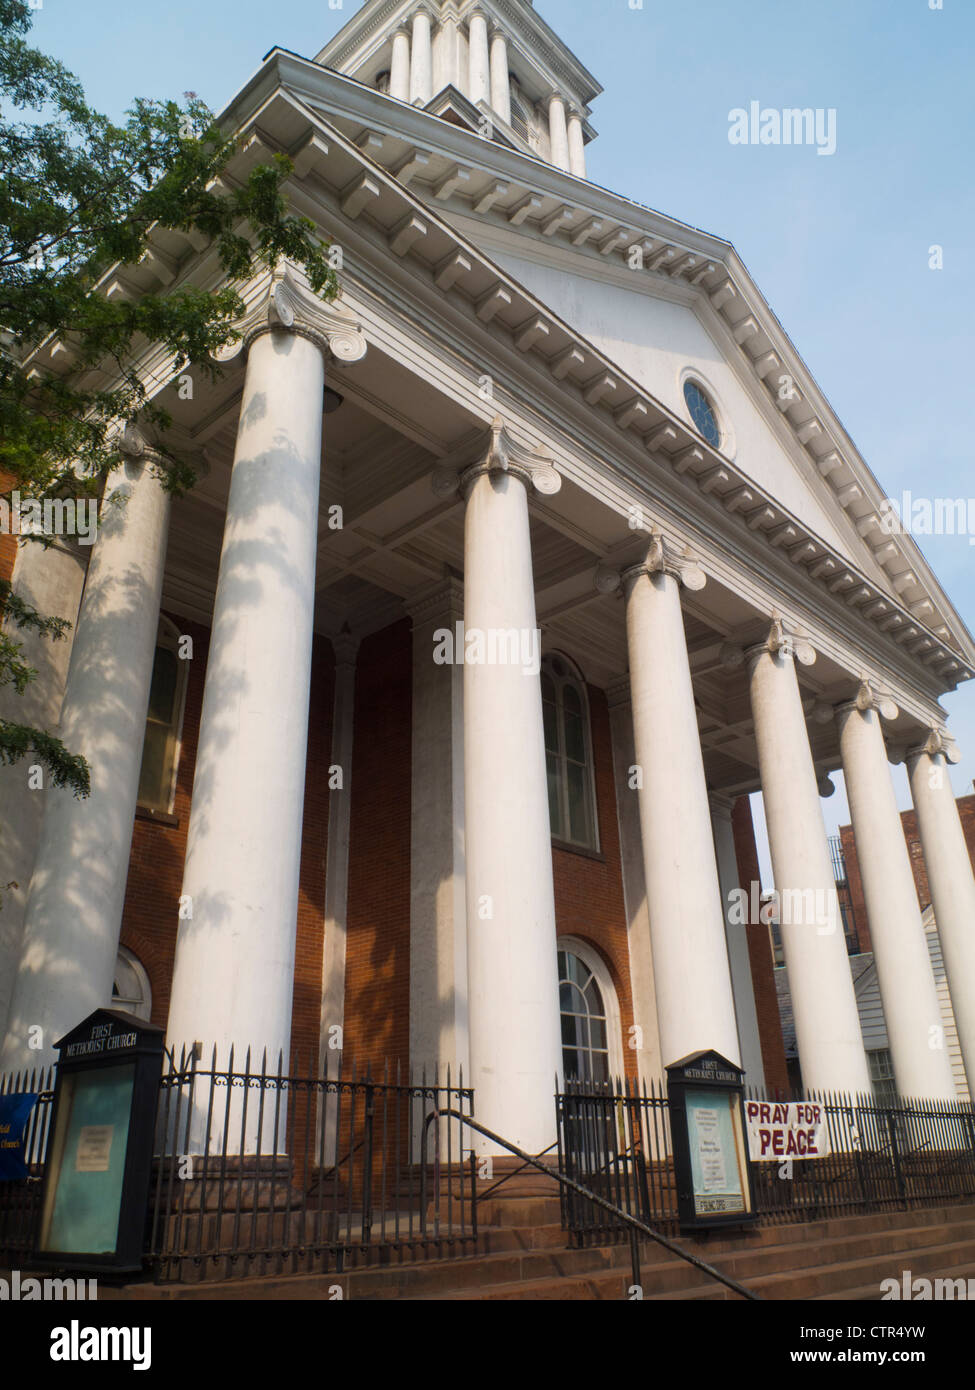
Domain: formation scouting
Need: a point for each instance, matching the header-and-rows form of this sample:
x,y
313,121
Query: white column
x,y
233,976
907,988
736,936
577,145
695,1002
421,60
950,880
480,78
399,75
634,885
823,1000
500,77
438,892
515,1042
50,579
74,909
558,132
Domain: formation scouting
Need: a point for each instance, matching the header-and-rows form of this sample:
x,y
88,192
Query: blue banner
x,y
14,1114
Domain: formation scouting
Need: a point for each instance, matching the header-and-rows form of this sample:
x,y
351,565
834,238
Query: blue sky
x,y
839,245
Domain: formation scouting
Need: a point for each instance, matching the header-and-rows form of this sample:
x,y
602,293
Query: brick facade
x,y
377,981
589,889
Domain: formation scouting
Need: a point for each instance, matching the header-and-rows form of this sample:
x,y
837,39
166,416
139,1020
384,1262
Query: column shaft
x,y
421,60
74,908
233,977
907,987
500,78
512,960
399,76
558,133
695,1004
952,887
823,999
577,146
479,73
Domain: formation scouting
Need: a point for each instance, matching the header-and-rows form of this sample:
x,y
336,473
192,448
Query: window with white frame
x,y
131,991
568,754
164,718
585,1023
882,1075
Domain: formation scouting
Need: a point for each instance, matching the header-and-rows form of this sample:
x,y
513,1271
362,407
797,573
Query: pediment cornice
x,y
451,267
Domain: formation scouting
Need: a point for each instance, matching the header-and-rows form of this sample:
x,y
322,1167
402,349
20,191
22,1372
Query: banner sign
x,y
794,1129
14,1114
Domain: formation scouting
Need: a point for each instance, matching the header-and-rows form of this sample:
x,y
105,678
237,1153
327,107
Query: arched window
x,y
131,991
568,754
585,1054
164,718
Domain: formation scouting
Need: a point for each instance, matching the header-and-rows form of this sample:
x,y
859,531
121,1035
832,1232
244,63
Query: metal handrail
x,y
636,1226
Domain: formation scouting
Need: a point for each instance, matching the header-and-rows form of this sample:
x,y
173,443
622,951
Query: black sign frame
x,y
687,1079
104,1043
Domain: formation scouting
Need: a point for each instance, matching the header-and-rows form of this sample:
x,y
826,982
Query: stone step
x,y
871,1293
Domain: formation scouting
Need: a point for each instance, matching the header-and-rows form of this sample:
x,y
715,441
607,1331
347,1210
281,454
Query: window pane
x,y
598,1030
554,800
571,700
575,738
551,726
154,772
578,804
162,692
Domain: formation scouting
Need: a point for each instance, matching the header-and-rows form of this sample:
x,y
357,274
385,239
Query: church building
x,y
422,727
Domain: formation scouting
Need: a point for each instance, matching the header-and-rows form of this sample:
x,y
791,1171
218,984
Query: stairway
x,y
523,1253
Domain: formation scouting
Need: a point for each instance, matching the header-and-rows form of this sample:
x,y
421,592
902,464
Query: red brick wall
x,y
377,979
589,891
760,953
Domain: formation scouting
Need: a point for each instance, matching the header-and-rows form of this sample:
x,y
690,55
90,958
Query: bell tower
x,y
494,65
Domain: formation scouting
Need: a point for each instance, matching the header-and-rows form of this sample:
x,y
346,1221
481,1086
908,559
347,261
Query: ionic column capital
x,y
869,696
786,640
499,453
662,557
288,305
938,740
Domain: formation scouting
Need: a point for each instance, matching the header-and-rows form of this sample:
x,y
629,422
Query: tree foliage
x,y
79,195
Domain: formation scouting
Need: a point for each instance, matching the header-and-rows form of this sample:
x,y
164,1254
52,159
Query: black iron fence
x,y
263,1171
614,1140
307,1170
20,1198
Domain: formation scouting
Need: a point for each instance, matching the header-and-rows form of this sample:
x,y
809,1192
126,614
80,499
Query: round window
x,y
702,413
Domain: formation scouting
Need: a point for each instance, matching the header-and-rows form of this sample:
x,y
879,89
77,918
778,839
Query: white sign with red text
x,y
786,1129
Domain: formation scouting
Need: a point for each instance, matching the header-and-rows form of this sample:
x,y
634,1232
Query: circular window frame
x,y
728,444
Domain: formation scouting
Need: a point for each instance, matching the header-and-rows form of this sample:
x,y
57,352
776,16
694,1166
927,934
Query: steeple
x,y
494,65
